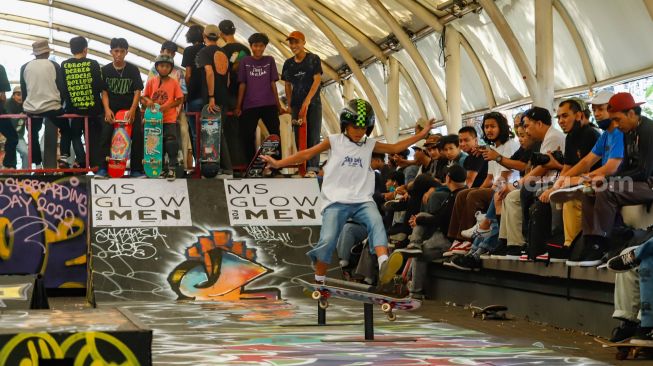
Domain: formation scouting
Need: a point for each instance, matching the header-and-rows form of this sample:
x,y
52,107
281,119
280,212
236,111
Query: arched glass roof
x,y
595,42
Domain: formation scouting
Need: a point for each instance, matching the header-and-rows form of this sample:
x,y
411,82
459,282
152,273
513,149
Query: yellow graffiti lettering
x,y
6,238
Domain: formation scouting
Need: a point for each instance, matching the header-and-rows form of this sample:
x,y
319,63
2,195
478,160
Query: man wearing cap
x,y
235,53
42,90
214,64
603,160
14,133
302,74
632,184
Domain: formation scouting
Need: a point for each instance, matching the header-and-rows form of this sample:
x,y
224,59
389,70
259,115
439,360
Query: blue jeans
x,y
313,130
645,254
490,243
334,218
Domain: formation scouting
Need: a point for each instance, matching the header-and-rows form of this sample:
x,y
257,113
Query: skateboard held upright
x,y
302,141
153,131
120,145
209,156
270,147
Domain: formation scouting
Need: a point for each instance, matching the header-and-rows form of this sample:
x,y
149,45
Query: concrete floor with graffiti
x,y
286,333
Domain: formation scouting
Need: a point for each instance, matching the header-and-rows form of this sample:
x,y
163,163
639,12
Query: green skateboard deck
x,y
153,131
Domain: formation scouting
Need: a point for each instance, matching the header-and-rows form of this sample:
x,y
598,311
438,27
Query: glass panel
x,y
411,69
616,34
429,48
473,93
567,66
482,35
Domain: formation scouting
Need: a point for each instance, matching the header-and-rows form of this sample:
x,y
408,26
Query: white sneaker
x,y
310,174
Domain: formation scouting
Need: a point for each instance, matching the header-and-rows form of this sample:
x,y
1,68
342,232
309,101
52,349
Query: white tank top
x,y
348,177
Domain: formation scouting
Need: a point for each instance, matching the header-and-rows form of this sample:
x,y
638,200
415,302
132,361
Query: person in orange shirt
x,y
166,92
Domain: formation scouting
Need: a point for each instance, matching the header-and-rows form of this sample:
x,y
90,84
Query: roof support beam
x,y
544,53
517,52
343,24
453,77
408,45
590,77
277,38
649,7
346,55
102,17
392,133
413,90
432,21
63,28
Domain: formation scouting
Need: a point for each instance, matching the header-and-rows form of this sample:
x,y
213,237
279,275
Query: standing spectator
x,y
193,78
215,78
302,74
42,89
235,53
165,91
17,132
258,97
123,91
6,129
82,89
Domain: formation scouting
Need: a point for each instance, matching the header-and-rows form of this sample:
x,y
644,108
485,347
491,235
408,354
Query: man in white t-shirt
x,y
514,218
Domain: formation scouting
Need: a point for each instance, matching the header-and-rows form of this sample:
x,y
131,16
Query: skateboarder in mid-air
x,y
166,92
348,185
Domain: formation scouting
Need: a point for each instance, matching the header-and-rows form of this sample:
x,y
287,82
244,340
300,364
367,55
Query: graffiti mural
x,y
91,337
43,229
217,267
203,257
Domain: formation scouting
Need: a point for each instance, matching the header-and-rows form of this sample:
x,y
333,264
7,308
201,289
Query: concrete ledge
x,y
559,270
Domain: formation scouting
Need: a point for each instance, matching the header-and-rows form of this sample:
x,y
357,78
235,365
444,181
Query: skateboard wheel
x,y
483,316
392,317
316,295
323,304
386,308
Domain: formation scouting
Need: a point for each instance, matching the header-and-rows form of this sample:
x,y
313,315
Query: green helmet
x,y
164,58
359,113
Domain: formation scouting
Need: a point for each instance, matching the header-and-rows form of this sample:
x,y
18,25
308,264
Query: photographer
x,y
514,220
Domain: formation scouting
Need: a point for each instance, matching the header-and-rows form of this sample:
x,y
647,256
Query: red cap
x,y
296,35
622,102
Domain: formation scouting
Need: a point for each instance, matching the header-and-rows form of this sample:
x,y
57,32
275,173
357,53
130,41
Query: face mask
x,y
604,124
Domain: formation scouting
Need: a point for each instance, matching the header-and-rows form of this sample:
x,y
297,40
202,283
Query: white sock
x,y
344,263
382,258
320,278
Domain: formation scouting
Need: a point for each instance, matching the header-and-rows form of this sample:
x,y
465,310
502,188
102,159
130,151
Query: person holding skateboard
x,y
302,75
258,97
348,186
123,91
166,92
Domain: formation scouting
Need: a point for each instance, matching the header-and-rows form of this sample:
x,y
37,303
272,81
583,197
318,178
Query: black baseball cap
x,y
227,27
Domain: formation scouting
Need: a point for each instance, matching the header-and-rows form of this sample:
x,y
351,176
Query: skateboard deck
x,y
153,131
489,312
322,293
302,142
271,147
210,134
120,145
626,350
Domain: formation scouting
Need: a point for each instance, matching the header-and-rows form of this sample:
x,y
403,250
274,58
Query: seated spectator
x,y
428,239
514,217
470,203
631,185
475,165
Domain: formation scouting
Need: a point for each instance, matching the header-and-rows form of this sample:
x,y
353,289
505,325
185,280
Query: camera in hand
x,y
542,159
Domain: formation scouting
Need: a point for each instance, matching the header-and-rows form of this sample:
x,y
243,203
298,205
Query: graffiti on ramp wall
x,y
217,267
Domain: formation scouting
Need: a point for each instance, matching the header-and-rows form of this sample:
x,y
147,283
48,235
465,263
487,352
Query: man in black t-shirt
x,y
475,165
235,52
83,85
193,77
302,74
215,76
122,91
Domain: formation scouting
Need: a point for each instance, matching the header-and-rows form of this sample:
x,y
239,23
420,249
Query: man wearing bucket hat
x,y
631,185
42,89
